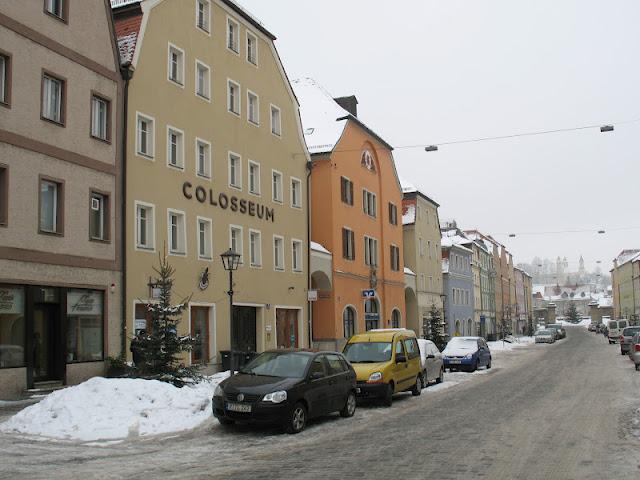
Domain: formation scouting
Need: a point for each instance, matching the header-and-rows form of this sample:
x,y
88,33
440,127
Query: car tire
x,y
387,400
489,364
417,388
349,408
621,352
441,377
225,421
425,380
637,366
297,419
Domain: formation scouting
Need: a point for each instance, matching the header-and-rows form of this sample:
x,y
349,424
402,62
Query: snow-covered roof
x,y
320,116
318,248
408,271
127,46
628,256
407,187
448,242
409,214
605,302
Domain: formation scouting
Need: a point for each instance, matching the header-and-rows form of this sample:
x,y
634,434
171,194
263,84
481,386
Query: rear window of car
x,y
622,324
630,331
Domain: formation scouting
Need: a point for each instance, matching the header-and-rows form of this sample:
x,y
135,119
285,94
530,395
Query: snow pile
x,y
112,409
499,345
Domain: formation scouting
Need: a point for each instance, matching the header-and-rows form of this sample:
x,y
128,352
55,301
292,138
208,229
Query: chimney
x,y
350,104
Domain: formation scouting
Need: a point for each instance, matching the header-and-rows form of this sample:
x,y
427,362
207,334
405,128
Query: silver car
x,y
545,336
634,350
625,339
432,363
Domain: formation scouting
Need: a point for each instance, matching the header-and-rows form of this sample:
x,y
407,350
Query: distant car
x,y
592,327
545,336
634,350
466,353
287,387
615,329
625,339
432,363
560,331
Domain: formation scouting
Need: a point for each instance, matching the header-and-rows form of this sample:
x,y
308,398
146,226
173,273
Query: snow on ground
x,y
113,409
583,323
508,346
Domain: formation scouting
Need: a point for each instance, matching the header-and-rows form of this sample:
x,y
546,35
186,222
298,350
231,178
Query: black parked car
x,y
287,387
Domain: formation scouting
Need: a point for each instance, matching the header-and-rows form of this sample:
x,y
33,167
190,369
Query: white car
x,y
615,329
545,336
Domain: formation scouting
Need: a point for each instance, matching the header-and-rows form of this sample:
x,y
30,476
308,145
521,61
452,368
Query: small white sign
x,y
312,295
11,300
84,302
140,324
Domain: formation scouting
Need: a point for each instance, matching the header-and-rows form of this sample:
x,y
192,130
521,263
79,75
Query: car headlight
x,y
218,392
375,377
468,356
275,397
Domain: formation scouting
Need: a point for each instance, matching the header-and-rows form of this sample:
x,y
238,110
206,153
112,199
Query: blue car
x,y
466,353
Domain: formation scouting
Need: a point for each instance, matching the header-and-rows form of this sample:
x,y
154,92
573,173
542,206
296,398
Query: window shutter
x,y
343,190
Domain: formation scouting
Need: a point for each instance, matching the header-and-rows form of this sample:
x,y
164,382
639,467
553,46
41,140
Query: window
x,y
393,214
53,98
278,253
252,49
254,177
203,158
276,186
204,239
175,148
200,332
349,322
429,248
57,8
276,125
296,193
176,65
235,171
235,241
233,97
203,15
346,190
12,327
177,232
145,136
253,108
203,80
430,282
51,207
422,282
370,251
371,314
100,118
145,237
421,246
395,258
369,203
233,35
99,216
5,79
348,244
255,248
296,255
85,326
4,195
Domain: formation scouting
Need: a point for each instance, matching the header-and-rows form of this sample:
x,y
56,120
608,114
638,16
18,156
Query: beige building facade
x,y
215,160
60,97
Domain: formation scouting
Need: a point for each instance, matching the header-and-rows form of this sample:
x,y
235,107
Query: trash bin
x,y
226,360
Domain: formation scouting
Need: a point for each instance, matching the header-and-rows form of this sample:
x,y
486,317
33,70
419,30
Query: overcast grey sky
x,y
428,71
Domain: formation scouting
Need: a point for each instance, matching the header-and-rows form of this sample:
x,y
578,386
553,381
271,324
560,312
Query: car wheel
x,y
417,388
637,366
489,364
297,419
225,421
387,400
425,380
349,406
441,377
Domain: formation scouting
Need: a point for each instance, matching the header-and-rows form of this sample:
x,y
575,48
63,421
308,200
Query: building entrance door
x,y
287,328
46,343
244,329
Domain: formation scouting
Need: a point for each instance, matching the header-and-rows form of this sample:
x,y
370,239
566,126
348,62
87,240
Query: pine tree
x,y
161,349
435,328
572,313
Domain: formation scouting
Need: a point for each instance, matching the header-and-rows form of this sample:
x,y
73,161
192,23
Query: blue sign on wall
x,y
368,293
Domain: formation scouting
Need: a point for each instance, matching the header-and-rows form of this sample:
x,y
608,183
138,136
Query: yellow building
x,y
626,284
215,159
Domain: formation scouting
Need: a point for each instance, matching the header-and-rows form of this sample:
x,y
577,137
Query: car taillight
x,y
636,347
621,338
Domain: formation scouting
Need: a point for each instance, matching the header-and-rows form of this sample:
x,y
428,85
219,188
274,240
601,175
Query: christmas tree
x,y
572,313
435,328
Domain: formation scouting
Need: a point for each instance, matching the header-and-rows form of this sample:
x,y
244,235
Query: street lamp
x,y
230,262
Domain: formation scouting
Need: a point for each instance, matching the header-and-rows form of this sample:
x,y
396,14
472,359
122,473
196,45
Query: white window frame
x,y
49,9
278,132
207,174
238,97
151,143
294,260
102,204
54,206
255,264
206,31
295,180
47,112
273,190
370,258
255,122
237,36
276,267
95,130
258,191
151,227
4,79
208,238
180,80
207,97
237,186
179,148
240,229
367,206
182,232
255,38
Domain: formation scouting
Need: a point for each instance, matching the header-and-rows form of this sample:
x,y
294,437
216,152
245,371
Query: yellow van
x,y
386,362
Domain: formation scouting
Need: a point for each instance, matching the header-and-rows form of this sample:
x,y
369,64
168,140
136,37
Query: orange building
x,y
356,214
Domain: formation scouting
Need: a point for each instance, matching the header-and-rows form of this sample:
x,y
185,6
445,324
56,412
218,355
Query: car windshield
x,y
278,364
544,332
368,352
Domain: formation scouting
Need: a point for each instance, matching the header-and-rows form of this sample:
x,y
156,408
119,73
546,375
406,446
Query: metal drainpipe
x,y
309,309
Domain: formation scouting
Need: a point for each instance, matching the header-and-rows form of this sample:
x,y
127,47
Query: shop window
x,y
200,332
85,326
12,327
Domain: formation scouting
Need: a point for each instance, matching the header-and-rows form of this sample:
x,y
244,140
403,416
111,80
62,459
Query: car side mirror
x,y
400,358
316,376
431,356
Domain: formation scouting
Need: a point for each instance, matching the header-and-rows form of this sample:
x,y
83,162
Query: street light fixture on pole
x,y
231,262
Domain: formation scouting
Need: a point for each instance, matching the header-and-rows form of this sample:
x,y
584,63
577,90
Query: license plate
x,y
239,407
455,361
358,390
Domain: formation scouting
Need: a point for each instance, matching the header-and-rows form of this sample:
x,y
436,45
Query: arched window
x,y
395,318
349,322
371,314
